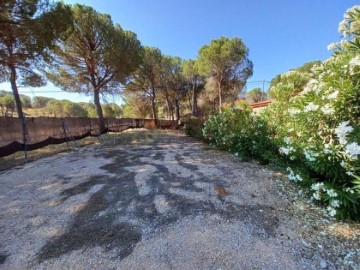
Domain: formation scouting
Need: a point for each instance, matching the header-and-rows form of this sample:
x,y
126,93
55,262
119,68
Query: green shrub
x,y
312,128
318,130
240,132
193,128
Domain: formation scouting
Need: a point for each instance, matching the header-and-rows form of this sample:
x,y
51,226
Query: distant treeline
x,y
56,108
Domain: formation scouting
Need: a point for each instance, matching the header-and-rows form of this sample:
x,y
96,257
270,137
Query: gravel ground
x,y
169,204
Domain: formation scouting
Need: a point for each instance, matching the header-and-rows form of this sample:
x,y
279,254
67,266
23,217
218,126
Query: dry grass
x,y
133,136
36,112
18,158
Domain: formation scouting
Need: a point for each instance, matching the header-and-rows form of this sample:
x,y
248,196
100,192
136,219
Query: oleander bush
x,y
193,128
238,131
312,127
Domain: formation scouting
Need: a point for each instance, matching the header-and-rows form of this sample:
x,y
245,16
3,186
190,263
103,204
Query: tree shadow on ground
x,y
116,217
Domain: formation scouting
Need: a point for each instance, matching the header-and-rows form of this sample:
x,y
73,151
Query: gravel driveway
x,y
166,205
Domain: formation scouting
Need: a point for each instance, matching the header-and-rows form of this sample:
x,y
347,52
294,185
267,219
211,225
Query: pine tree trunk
x,y
194,102
168,108
177,109
220,96
189,98
153,106
99,111
15,91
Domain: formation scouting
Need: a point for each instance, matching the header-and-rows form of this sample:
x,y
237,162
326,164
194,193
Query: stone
x,y
323,264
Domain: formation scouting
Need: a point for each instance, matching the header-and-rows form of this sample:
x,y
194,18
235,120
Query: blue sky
x,y
280,34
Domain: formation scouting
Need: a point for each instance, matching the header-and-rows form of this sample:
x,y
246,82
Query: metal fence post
x,y
64,129
25,133
72,137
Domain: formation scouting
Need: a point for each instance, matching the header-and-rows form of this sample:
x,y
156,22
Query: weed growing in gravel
x,y
18,158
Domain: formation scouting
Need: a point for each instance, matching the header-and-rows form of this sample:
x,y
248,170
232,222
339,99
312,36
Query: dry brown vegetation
x,y
125,137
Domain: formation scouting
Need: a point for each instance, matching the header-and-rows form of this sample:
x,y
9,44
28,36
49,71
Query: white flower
x,y
291,177
354,27
342,131
316,196
342,27
353,149
321,85
287,140
327,109
333,95
310,86
331,46
355,61
311,107
315,68
293,111
327,145
344,43
351,10
331,211
309,155
298,177
285,150
294,177
335,203
349,173
331,193
343,164
317,186
349,190
290,73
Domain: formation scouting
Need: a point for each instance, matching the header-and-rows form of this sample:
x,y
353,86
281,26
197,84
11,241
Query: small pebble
x,y
323,264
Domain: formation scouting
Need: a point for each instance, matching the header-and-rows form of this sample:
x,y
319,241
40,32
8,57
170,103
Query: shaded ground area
x,y
163,204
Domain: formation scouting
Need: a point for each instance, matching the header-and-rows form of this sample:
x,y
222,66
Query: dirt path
x,y
166,205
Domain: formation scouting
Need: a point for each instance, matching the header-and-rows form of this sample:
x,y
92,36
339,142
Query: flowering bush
x,y
312,126
239,131
319,126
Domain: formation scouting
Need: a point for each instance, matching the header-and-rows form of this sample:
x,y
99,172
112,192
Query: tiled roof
x,y
261,104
